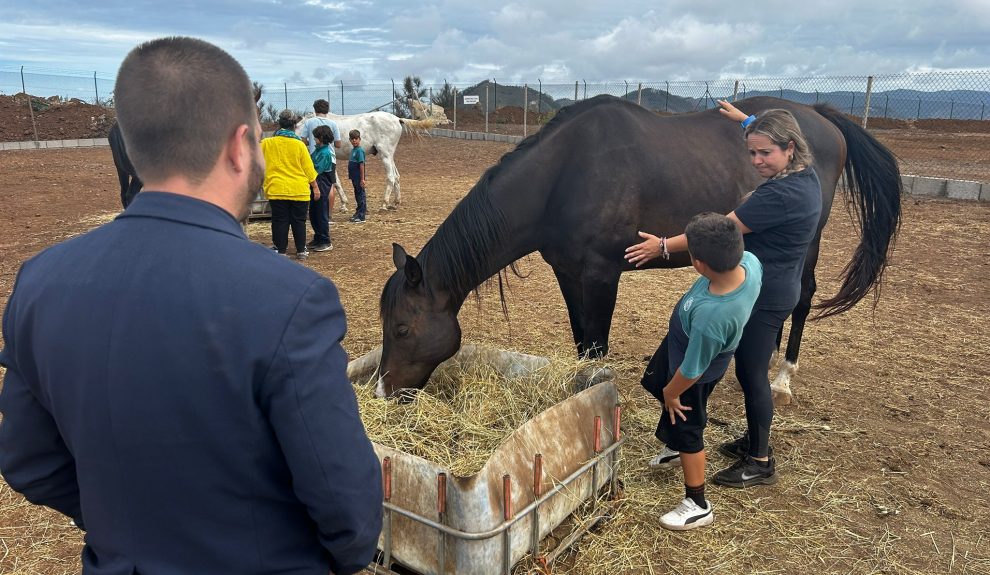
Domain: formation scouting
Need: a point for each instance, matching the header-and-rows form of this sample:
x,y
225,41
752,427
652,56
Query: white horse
x,y
380,134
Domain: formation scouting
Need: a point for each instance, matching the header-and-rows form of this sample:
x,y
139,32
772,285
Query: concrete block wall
x,y
913,185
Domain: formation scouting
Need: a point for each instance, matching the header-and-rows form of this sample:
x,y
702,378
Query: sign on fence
x,y
469,100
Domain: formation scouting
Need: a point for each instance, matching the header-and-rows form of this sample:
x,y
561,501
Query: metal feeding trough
x,y
259,207
558,461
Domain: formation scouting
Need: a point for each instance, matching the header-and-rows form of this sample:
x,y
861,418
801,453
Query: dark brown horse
x,y
579,190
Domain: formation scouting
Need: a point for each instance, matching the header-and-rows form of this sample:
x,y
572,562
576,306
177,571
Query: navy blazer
x,y
180,392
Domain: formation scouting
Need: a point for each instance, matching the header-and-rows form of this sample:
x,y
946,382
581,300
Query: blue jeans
x,y
319,210
361,198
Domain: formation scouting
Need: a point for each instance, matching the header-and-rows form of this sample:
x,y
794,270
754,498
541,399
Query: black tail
x,y
873,181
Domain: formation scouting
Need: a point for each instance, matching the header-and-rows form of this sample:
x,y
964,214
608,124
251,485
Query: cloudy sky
x,y
319,41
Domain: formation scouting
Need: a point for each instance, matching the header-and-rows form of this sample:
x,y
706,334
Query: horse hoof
x,y
781,397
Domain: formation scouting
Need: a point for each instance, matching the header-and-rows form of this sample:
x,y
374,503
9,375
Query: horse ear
x,y
398,256
409,265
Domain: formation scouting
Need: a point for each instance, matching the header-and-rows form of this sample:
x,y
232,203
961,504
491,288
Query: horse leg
x,y
781,385
340,191
571,290
599,288
391,182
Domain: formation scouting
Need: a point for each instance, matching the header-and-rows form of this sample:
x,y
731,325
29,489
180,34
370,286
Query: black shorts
x,y
686,436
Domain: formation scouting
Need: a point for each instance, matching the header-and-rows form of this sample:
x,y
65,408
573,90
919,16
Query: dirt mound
x,y
56,119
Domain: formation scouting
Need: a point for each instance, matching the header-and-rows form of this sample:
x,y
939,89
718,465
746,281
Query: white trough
x,y
475,532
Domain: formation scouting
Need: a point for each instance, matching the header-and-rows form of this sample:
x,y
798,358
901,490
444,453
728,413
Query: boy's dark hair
x,y
715,240
354,134
199,95
323,134
321,106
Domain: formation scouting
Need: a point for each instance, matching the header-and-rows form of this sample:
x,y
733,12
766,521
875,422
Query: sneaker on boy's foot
x,y
322,247
747,472
302,255
688,515
737,448
666,459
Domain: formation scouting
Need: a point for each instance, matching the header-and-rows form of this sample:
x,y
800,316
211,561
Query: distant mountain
x,y
901,104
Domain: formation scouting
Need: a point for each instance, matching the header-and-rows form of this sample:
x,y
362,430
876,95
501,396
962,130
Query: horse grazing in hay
x,y
580,205
380,134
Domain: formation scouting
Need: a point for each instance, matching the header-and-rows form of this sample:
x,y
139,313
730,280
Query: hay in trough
x,y
465,411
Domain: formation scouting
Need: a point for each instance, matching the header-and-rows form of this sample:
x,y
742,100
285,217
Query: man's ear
x,y
238,149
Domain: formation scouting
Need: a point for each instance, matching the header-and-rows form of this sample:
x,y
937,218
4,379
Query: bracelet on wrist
x,y
745,123
663,249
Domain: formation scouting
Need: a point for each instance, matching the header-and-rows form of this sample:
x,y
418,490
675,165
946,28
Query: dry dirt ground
x,y
884,457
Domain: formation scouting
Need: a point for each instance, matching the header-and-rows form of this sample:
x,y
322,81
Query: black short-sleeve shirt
x,y
783,215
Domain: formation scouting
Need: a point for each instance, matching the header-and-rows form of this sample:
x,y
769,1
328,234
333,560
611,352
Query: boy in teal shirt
x,y
320,209
705,328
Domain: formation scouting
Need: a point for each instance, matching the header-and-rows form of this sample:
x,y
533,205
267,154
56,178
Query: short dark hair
x,y
321,106
715,240
287,119
178,100
323,134
354,134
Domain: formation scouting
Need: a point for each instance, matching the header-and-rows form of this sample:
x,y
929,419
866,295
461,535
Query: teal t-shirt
x,y
713,324
357,155
322,159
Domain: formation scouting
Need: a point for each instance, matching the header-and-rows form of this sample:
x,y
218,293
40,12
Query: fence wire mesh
x,y
929,120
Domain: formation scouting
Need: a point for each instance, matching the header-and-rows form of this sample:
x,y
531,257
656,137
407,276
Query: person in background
x,y
321,108
176,389
321,208
355,173
778,221
290,182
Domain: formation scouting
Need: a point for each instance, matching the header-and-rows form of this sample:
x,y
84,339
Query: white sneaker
x,y
667,459
688,515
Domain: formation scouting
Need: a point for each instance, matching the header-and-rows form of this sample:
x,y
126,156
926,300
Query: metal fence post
x,y
918,116
96,88
486,106
285,91
395,105
866,106
455,108
952,108
539,98
625,95
34,126
525,109
342,97
585,89
666,100
639,94
735,90
575,90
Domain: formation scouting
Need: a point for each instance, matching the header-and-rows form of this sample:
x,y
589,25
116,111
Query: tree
x,y
412,88
445,97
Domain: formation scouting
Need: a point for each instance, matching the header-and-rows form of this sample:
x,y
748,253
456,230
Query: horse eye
x,y
403,331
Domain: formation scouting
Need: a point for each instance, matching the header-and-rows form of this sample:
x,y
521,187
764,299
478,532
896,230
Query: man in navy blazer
x,y
174,388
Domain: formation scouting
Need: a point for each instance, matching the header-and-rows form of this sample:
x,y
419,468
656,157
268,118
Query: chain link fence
x,y
938,123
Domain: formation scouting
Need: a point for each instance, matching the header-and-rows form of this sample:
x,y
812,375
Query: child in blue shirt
x,y
319,209
705,328
355,173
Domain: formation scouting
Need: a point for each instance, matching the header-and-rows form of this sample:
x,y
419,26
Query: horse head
x,y
419,327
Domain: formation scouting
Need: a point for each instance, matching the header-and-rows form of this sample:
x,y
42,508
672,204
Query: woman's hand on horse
x,y
644,251
731,112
